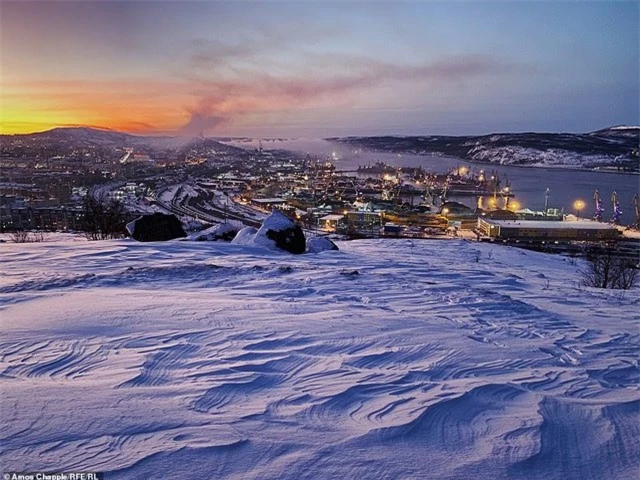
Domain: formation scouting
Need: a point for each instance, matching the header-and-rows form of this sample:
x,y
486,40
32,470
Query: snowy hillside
x,y
387,359
615,147
84,136
552,157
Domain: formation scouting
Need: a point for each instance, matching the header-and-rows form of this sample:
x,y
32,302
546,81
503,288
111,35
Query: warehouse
x,y
546,230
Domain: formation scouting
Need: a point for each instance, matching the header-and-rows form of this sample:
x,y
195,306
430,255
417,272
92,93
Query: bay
x,y
528,183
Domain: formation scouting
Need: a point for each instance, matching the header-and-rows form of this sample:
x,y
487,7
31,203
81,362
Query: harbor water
x,y
529,184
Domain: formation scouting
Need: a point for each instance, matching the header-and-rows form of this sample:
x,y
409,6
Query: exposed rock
x,y
157,227
320,244
278,232
224,232
350,273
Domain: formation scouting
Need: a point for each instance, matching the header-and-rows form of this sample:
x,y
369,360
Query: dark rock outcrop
x,y
284,232
278,232
157,227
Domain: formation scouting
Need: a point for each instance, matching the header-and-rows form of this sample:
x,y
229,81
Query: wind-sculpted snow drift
x,y
387,359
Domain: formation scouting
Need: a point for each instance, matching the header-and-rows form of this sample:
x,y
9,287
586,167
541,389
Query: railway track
x,y
208,213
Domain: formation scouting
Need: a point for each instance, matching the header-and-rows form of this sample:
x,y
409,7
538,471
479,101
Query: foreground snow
x,y
387,359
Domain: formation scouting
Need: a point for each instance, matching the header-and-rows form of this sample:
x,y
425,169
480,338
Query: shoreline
x,y
510,165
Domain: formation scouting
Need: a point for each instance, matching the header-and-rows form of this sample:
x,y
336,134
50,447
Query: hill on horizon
x,y
615,147
90,130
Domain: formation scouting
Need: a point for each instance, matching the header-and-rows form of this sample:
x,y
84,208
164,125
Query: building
x,y
546,230
331,222
391,229
43,218
268,203
363,219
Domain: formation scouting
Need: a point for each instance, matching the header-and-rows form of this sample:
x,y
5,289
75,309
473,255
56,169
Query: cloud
x,y
202,119
227,89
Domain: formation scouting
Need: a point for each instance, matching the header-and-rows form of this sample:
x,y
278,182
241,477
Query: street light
x,y
578,205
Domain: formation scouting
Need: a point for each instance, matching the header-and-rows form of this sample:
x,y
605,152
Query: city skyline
x,y
318,69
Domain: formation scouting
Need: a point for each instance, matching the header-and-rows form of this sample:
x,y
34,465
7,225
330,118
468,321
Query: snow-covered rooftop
x,y
268,200
332,218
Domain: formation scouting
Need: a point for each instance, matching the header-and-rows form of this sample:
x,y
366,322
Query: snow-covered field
x,y
388,359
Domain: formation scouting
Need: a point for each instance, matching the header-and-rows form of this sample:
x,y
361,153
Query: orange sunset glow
x,y
278,68
133,106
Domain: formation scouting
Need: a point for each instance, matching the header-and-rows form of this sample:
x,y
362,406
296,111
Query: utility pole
x,y
226,203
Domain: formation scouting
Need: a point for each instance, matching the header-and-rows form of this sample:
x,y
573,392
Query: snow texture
x,y
320,244
387,359
217,232
625,127
276,222
131,226
245,236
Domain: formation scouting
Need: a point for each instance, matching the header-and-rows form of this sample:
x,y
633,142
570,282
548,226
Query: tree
x,y
19,236
606,268
23,236
103,217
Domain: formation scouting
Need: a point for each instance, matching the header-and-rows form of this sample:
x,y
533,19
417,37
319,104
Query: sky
x,y
319,68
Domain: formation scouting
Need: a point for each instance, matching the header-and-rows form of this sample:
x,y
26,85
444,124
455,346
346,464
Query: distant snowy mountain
x,y
81,136
618,130
84,137
387,359
611,147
